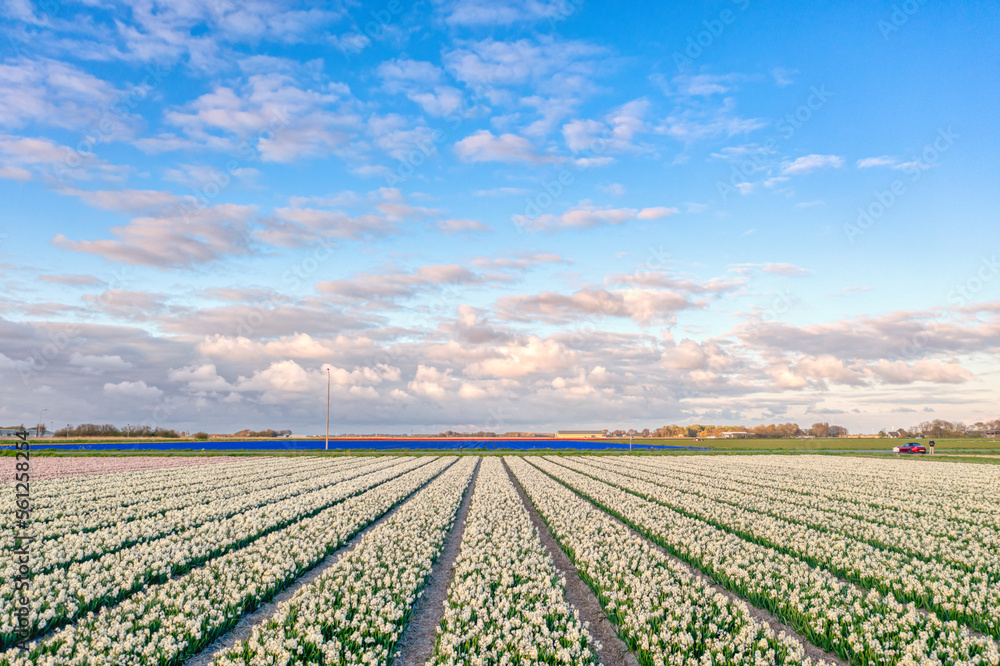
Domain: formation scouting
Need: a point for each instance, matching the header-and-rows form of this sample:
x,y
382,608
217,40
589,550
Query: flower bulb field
x,y
475,560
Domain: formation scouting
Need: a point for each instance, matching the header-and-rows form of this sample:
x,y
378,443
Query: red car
x,y
910,448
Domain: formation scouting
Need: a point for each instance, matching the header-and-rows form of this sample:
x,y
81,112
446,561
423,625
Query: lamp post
x,y
327,409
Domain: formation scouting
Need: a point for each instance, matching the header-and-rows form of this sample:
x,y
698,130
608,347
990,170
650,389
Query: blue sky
x,y
499,215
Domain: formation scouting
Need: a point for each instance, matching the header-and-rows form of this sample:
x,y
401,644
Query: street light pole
x,y
38,428
327,409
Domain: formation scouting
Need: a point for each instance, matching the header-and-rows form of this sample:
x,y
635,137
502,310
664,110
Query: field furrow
x,y
861,627
64,594
83,515
664,614
953,594
955,492
356,611
506,600
166,623
233,499
973,547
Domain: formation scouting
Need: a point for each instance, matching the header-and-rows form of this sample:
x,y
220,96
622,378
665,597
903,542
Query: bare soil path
x,y
247,624
812,651
613,650
417,643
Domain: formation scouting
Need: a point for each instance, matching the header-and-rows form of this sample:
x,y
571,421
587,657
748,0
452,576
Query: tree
x,y
201,435
820,430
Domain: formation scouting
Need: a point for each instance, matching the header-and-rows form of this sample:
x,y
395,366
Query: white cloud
x,y
515,361
656,213
644,306
56,94
704,120
23,157
788,270
899,372
869,162
270,115
484,146
460,226
502,192
587,216
808,163
432,383
137,389
175,232
480,13
423,83
98,364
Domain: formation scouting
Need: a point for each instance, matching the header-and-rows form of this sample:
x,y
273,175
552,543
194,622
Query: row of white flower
x,y
923,536
507,601
96,485
65,494
972,547
83,514
356,611
664,614
222,503
952,593
66,593
956,491
864,628
165,624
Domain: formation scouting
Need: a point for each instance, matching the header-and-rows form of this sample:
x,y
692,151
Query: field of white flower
x,y
506,597
695,560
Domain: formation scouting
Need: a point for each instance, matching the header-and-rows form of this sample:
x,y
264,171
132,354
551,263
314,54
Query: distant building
x,y
580,434
735,434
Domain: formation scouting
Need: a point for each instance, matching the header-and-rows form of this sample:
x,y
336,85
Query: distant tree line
x,y
262,433
941,429
768,431
109,430
452,433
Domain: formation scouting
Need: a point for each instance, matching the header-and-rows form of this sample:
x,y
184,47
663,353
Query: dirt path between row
x,y
417,643
246,625
859,589
613,650
778,626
